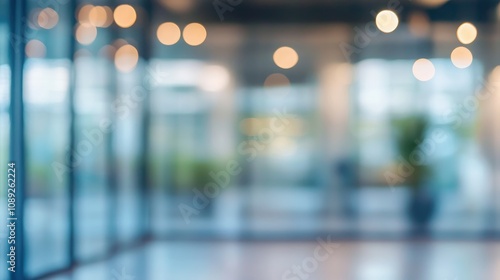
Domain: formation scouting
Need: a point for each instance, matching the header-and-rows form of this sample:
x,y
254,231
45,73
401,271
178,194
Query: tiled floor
x,y
370,260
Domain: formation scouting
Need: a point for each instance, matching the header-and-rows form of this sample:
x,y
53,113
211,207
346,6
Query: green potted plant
x,y
188,174
410,133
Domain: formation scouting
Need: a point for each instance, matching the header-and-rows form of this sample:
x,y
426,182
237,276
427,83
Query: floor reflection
x,y
320,259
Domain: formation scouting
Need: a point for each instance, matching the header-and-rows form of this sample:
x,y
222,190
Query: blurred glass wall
x,y
170,119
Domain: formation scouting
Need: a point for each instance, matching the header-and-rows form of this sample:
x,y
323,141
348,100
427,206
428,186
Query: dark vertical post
x,y
72,133
111,163
16,111
143,178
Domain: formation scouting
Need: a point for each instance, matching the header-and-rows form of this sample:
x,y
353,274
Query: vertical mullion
x,y
111,162
143,178
72,135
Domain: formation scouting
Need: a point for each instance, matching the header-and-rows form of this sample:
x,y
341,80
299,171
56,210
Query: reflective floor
x,y
370,260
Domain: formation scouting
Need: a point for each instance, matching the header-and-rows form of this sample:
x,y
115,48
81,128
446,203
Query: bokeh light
x,y
48,18
126,58
423,70
194,34
84,14
85,33
109,16
466,33
168,33
276,80
35,49
125,16
431,3
100,16
33,18
285,57
387,21
461,57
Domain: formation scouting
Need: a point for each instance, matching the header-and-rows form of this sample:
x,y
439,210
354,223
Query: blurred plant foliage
x,y
410,132
188,172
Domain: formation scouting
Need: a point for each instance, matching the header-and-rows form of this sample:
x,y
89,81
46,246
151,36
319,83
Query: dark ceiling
x,y
332,11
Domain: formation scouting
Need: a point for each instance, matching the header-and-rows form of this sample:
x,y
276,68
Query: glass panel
x,y
92,194
46,86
